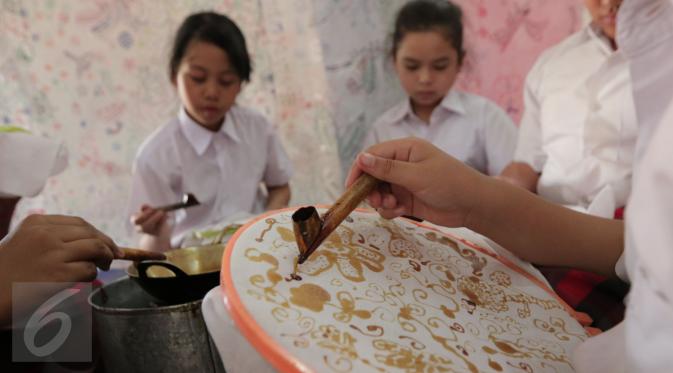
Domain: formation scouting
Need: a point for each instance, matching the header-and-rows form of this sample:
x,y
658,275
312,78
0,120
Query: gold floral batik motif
x,y
342,250
388,296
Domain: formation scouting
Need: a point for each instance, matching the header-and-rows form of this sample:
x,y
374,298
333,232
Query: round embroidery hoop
x,y
486,313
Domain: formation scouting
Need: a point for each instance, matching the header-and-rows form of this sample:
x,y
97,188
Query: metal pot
x,y
139,333
186,275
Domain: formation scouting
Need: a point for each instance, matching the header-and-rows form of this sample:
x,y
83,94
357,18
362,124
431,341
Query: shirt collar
x,y
596,34
452,102
199,137
401,111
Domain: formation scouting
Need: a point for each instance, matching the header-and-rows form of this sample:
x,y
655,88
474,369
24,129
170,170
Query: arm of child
x,y
529,156
151,188
277,173
522,175
545,233
279,197
154,227
50,249
500,135
427,183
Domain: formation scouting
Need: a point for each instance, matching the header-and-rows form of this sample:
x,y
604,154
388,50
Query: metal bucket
x,y
139,333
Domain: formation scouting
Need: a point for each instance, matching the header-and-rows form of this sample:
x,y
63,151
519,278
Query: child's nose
x,y
424,76
212,89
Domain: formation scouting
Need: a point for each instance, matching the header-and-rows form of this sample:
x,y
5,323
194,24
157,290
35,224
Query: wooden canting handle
x,y
358,191
138,255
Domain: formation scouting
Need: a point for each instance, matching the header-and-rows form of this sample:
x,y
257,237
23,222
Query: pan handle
x,y
146,264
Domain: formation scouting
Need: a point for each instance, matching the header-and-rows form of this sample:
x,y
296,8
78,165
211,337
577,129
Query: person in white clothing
x,y
638,249
26,163
578,132
428,54
576,145
642,343
216,150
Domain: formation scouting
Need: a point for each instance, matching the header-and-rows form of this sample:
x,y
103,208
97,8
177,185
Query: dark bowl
x,y
186,275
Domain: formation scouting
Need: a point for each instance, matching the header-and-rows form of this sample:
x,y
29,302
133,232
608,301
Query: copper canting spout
x,y
310,230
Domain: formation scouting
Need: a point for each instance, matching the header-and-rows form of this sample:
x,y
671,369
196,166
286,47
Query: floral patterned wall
x,y
93,74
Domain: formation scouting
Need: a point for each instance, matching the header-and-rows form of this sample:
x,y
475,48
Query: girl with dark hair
x,y
427,51
215,149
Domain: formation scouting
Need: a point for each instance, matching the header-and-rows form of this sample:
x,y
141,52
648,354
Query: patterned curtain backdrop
x,y
505,37
94,74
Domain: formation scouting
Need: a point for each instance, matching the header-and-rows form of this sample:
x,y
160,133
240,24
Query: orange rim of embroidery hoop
x,y
271,350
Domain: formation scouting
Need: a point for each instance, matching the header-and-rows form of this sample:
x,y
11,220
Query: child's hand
x,y
149,220
422,181
47,248
50,249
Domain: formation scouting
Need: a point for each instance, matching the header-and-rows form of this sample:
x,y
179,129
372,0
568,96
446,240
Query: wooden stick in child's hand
x,y
310,230
138,255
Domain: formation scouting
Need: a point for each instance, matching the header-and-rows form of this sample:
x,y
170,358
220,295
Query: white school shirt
x,y
579,129
643,342
27,161
222,169
466,126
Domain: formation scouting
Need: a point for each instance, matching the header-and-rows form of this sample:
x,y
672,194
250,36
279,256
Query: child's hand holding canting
x,y
421,180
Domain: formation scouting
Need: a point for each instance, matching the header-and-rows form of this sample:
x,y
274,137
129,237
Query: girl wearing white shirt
x,y
428,53
214,149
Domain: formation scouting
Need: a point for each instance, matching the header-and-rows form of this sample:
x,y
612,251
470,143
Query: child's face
x,y
427,65
604,14
207,83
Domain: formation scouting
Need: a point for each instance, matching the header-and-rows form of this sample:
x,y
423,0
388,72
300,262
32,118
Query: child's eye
x,y
440,67
412,67
227,83
197,79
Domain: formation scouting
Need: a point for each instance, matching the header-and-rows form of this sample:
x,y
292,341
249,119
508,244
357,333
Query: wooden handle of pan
x,y
137,255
